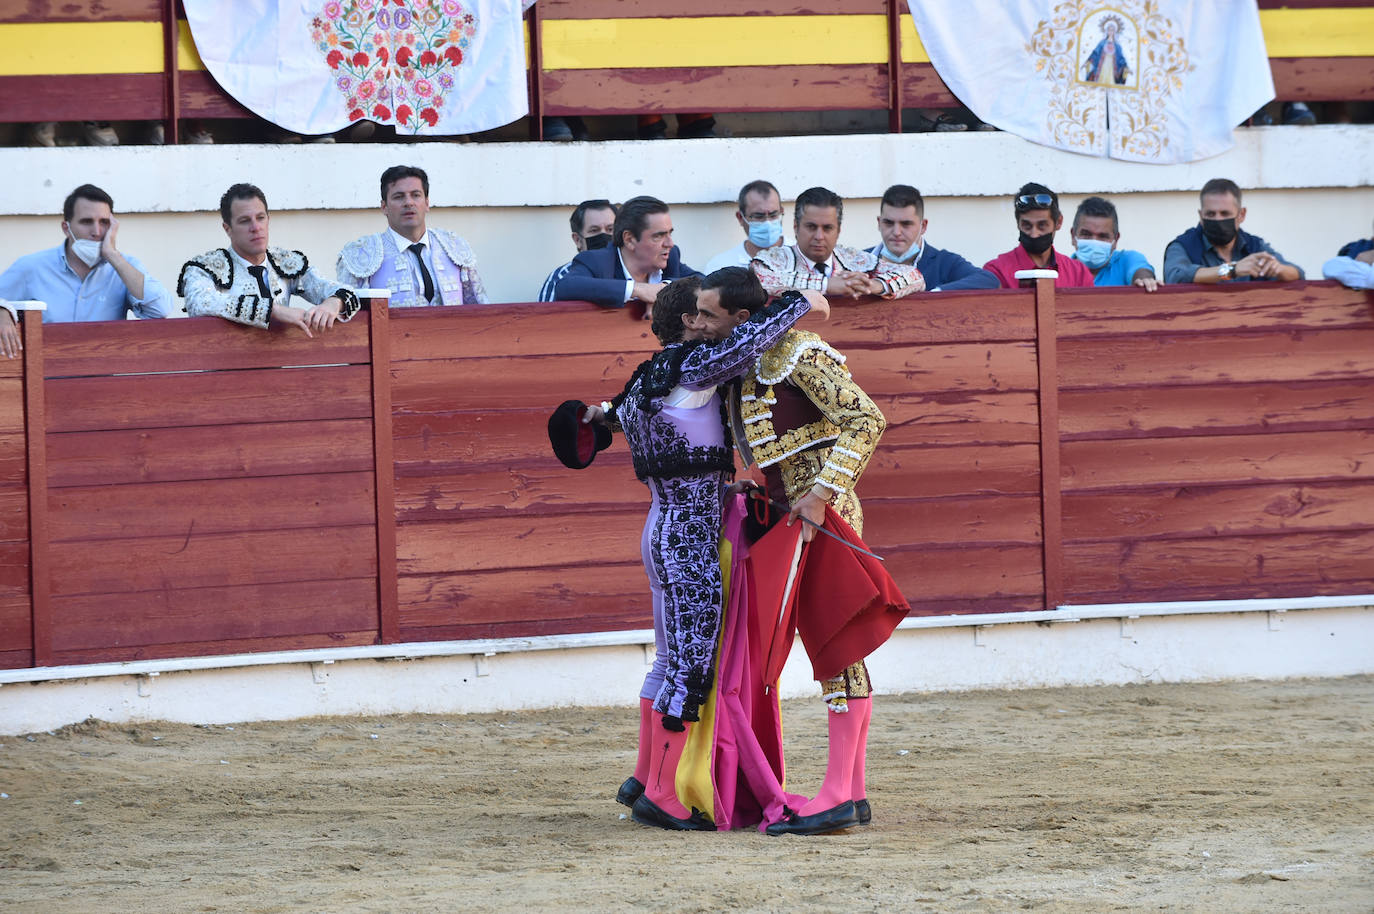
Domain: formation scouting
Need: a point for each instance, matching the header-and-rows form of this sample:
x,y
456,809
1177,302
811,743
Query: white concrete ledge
x,y
343,176
1102,645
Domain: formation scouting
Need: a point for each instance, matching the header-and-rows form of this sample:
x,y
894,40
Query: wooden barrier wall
x,y
191,487
136,60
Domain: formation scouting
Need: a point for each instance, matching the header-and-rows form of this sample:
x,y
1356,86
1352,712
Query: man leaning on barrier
x,y
85,278
251,283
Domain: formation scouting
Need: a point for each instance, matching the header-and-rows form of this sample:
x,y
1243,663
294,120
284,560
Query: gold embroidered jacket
x,y
850,422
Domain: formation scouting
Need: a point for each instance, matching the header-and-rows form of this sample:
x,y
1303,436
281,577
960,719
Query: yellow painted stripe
x,y
713,41
188,58
71,48
1319,32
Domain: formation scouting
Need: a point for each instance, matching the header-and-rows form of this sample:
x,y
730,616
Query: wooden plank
x,y
947,521
1145,412
16,623
16,660
979,605
496,543
1221,358
204,506
210,452
14,514
546,487
384,509
12,405
1051,507
968,572
15,572
252,611
1323,79
14,459
818,87
1235,459
84,97
1215,567
194,344
1196,511
1231,306
612,590
39,558
213,560
922,87
959,418
217,648
89,11
201,96
550,328
208,398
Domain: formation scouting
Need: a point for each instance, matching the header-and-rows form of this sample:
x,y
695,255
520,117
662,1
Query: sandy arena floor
x,y
1233,797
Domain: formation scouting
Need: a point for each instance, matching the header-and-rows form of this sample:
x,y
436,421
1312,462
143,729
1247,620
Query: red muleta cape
x,y
843,603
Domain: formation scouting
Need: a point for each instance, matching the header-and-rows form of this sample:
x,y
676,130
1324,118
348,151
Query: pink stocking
x,y
664,755
838,786
862,706
646,719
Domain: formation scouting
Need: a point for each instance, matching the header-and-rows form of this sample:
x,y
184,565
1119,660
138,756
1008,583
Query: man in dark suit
x,y
640,261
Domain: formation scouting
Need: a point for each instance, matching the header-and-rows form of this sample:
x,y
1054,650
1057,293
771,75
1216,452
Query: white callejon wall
x,y
1109,647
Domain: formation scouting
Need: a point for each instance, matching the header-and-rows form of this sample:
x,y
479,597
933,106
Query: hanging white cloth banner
x,y
1156,81
311,66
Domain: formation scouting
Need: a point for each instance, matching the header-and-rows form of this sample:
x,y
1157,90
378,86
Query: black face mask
x,y
597,242
1039,244
1219,231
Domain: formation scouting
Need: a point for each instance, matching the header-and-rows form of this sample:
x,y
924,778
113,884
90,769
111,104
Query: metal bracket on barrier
x,y
145,683
1128,626
480,660
318,674
1276,619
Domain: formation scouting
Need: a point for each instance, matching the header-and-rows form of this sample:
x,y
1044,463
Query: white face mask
x,y
88,252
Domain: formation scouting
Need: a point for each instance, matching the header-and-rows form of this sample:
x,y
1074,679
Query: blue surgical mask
x,y
913,253
1093,254
765,234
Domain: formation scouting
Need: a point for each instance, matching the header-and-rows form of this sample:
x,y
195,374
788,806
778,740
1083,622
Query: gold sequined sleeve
x,y
827,384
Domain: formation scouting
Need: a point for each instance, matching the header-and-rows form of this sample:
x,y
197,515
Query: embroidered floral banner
x,y
1143,80
315,66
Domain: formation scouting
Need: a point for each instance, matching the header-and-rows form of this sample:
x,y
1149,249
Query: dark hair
x,y
1030,190
1100,207
738,288
399,172
676,300
761,187
818,196
1221,186
239,192
634,217
579,215
900,196
84,192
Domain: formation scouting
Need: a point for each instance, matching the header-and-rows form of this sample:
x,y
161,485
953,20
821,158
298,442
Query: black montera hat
x,y
575,442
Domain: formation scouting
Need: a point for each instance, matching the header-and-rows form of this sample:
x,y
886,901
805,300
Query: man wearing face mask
x,y
591,225
902,223
1216,250
760,214
1095,234
85,278
819,263
643,258
1036,209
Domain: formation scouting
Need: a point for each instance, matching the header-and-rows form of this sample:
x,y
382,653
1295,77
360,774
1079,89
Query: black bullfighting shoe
x,y
647,812
837,818
629,791
864,810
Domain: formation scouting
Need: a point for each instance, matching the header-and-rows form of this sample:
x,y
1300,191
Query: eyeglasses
x,y
1034,201
763,217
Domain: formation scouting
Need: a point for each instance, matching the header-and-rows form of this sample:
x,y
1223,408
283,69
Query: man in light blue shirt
x,y
85,278
1095,234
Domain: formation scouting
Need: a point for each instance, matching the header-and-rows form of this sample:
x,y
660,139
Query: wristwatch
x,y
1225,270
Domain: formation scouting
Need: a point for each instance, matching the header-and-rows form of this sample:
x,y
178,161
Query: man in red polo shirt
x,y
1038,218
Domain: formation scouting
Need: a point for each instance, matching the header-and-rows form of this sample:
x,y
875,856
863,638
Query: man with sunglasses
x,y
760,214
1038,217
